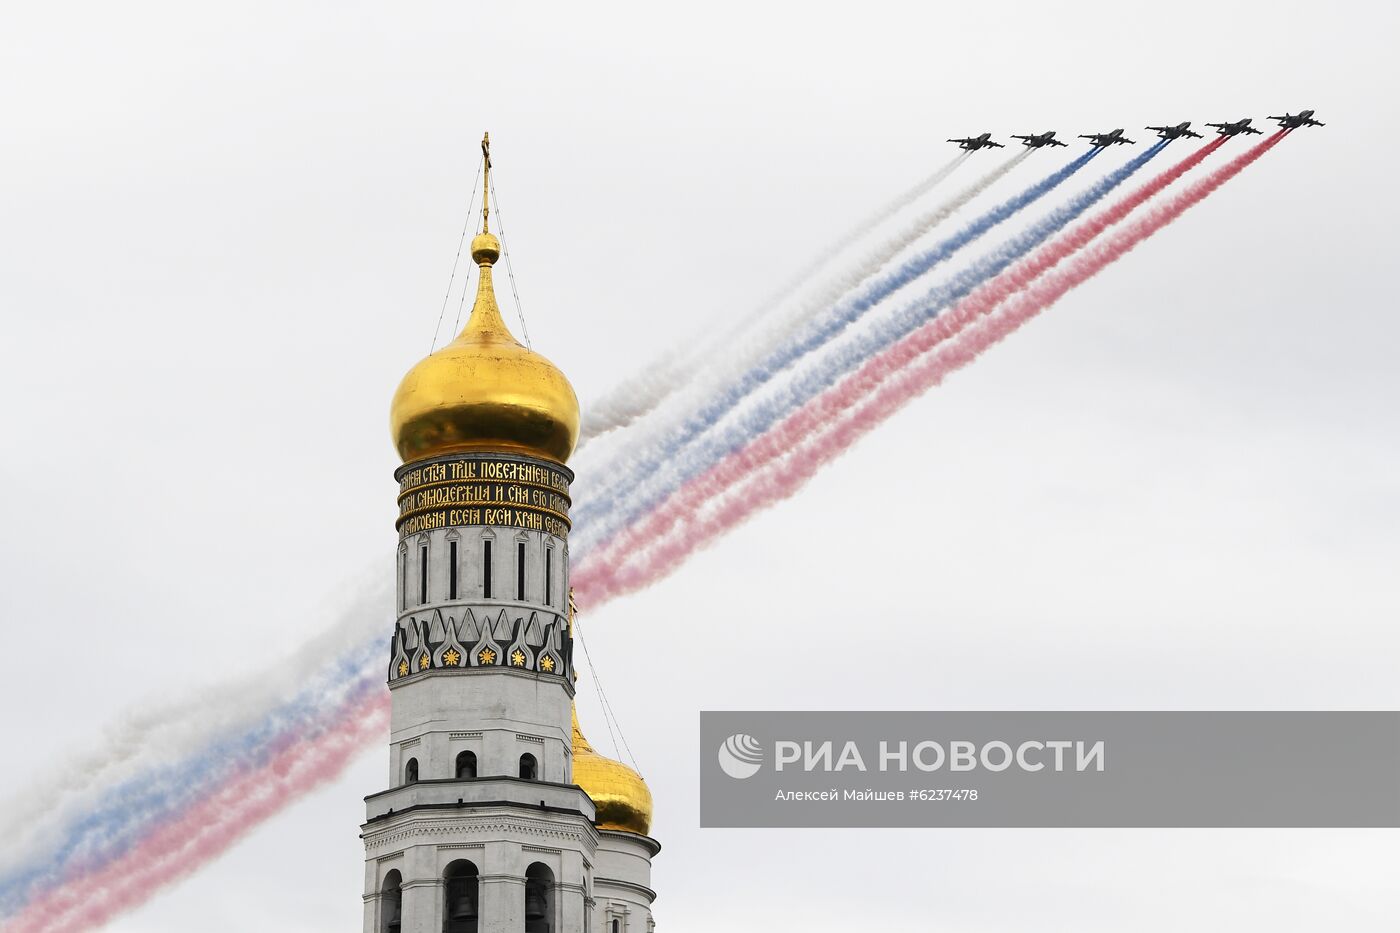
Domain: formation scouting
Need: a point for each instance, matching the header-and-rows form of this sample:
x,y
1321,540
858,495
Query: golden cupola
x,y
485,390
621,797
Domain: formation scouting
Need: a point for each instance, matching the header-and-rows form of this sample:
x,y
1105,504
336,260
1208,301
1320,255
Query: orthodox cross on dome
x,y
486,183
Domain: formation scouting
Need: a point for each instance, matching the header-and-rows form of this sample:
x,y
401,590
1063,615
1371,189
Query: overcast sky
x,y
225,233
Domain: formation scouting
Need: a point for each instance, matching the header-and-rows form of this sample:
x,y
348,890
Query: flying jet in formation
x,y
1175,132
1291,121
973,143
1104,140
1236,128
1040,140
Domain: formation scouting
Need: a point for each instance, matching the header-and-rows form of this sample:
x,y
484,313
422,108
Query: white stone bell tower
x,y
484,827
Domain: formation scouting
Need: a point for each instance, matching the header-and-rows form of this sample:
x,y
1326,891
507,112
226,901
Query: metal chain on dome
x,y
456,260
510,270
608,713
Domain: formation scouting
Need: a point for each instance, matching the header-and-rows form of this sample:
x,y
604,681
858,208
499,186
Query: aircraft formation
x,y
1245,127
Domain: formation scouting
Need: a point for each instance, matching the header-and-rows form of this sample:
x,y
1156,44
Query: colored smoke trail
x,y
874,259
128,813
206,830
630,506
854,274
778,464
162,762
640,394
826,409
1016,277
671,439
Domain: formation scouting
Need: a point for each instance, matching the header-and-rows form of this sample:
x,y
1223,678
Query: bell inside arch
x,y
460,898
539,899
534,902
463,904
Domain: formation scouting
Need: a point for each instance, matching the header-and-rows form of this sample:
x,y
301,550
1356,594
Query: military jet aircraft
x,y
973,143
1175,132
1040,140
1291,121
1104,140
1236,128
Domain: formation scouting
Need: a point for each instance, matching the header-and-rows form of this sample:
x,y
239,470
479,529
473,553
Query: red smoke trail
x,y
809,439
985,298
798,427
205,831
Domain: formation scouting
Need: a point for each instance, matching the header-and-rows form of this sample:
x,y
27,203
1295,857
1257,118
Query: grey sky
x,y
226,232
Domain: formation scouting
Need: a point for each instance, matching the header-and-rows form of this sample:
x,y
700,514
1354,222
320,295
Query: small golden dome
x,y
619,793
484,390
485,248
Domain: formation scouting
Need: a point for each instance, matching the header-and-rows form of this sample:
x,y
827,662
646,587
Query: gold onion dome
x,y
485,390
619,793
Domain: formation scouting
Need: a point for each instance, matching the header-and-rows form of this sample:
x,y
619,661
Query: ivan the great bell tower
x,y
499,817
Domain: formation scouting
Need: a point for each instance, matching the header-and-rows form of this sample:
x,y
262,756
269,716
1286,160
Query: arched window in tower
x,y
520,570
549,576
391,903
410,771
466,765
422,573
460,897
486,568
539,899
529,768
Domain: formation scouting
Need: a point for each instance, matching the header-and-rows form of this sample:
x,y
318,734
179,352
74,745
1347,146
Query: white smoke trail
x,y
852,274
640,394
723,369
147,740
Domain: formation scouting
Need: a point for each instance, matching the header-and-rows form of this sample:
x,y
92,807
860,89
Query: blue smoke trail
x,y
745,347
621,507
640,394
127,812
817,333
